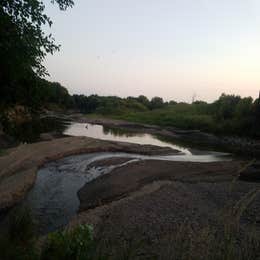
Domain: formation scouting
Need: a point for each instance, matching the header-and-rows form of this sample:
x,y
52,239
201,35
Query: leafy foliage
x,y
23,47
23,41
229,114
156,102
75,244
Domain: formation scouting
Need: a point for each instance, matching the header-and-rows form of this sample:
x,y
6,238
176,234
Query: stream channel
x,y
53,200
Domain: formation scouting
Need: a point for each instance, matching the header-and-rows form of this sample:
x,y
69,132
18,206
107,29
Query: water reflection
x,y
120,135
29,132
120,132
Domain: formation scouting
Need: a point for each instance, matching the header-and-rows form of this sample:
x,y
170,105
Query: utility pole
x,y
194,97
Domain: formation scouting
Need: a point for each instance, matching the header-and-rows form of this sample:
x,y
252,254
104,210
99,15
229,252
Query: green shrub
x,y
70,244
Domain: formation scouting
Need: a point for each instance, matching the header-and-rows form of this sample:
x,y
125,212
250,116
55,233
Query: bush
x,y
66,245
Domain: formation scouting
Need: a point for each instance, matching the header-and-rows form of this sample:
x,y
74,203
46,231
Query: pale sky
x,y
167,48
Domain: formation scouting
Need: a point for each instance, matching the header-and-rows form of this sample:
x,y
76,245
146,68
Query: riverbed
x,y
53,200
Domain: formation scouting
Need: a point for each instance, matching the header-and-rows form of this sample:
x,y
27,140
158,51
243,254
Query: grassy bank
x,y
183,116
199,116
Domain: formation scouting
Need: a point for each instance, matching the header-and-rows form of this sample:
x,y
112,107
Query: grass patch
x,y
70,244
229,115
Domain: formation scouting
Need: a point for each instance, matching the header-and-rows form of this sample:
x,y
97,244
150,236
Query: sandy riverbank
x,y
18,167
148,200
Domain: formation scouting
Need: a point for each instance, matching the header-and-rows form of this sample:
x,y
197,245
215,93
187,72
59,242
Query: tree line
x,y
23,47
230,114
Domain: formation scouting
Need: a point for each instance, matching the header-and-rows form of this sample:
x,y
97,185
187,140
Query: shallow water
x,y
53,200
120,135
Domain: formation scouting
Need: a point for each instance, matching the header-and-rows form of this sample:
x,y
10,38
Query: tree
x,y
225,106
172,102
22,38
244,108
256,111
23,44
144,100
156,102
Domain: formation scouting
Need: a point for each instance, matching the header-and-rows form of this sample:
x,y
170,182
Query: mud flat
x,y
18,167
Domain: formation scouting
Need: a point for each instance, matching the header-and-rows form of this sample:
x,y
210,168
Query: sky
x,y
175,49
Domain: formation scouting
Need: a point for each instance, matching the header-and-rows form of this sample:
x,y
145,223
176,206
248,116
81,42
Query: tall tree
x,y
23,43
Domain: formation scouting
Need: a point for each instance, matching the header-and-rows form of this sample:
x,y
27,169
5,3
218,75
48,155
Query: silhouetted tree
x,y
143,100
156,102
23,45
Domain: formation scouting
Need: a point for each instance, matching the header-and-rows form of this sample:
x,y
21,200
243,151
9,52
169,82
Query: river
x,y
53,200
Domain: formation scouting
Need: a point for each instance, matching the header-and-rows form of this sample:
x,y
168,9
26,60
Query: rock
x,y
50,136
251,173
46,137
